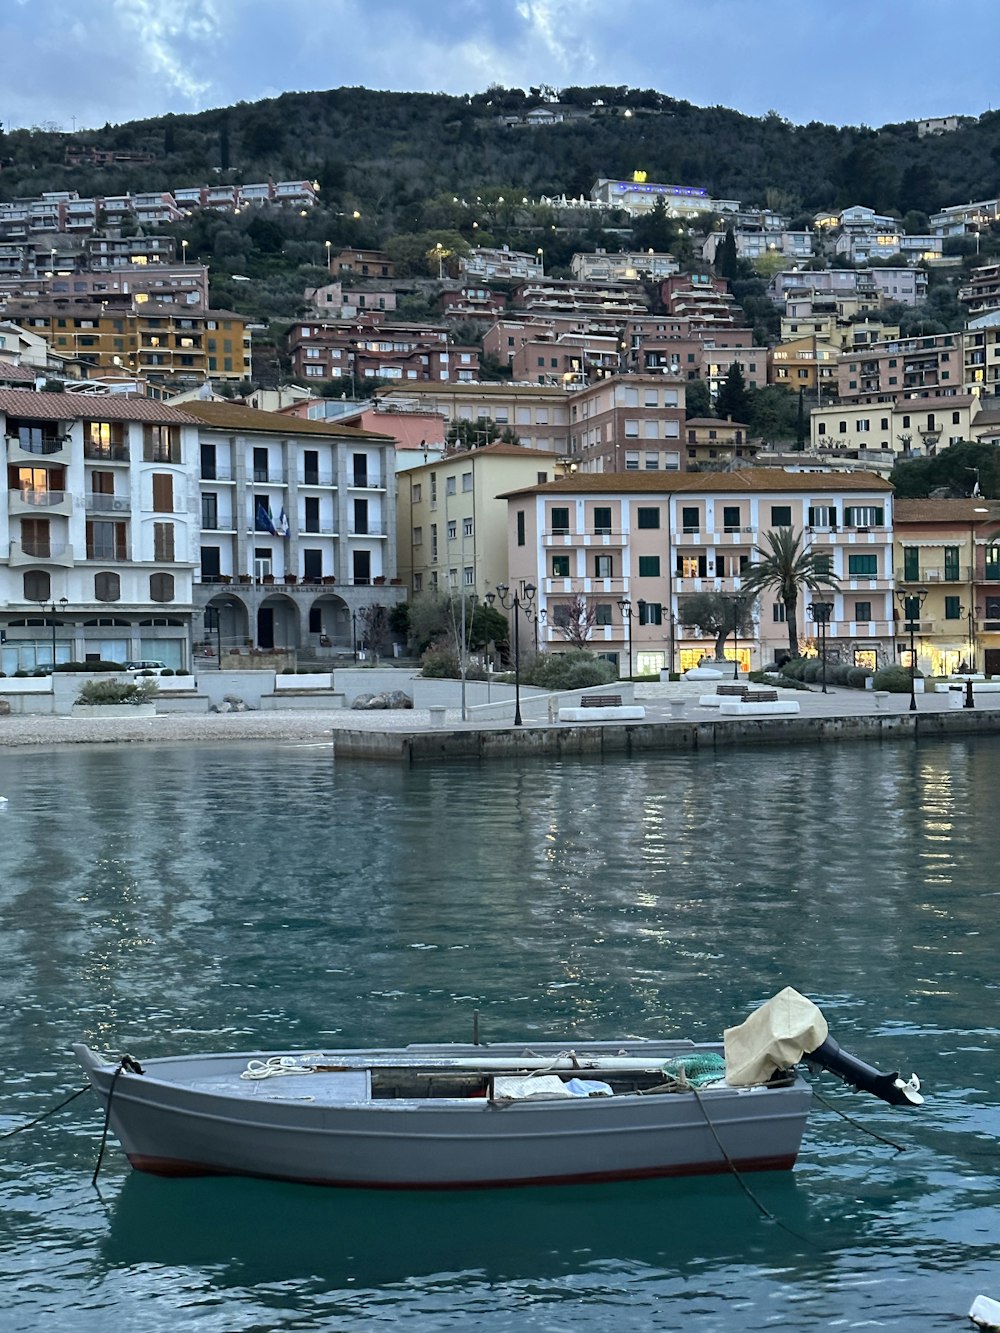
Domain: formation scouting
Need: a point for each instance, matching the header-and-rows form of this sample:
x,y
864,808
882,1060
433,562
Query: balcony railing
x,y
39,499
50,445
265,476
317,479
106,453
107,504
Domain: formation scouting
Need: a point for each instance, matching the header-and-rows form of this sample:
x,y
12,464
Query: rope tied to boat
x,y
30,1124
126,1065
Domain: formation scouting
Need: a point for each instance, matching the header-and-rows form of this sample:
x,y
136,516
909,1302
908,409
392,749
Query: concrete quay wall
x,y
410,747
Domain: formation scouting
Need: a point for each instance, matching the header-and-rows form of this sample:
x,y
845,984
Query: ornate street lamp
x,y
906,601
625,607
515,603
821,613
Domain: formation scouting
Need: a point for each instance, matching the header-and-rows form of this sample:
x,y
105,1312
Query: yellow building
x,y
452,528
950,550
803,363
161,344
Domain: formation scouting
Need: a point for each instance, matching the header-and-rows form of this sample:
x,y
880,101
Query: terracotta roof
x,y
88,407
501,449
761,479
716,421
235,416
12,370
962,511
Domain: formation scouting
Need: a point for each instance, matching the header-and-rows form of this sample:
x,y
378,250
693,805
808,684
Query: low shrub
x,y
794,667
857,677
812,670
838,673
169,671
21,672
895,679
289,671
573,670
99,692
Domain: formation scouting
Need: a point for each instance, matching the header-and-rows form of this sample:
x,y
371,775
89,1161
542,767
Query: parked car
x,y
155,667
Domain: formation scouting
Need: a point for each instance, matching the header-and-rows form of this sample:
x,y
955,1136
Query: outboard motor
x,y
788,1029
863,1077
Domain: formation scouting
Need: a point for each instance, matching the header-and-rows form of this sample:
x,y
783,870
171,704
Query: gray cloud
x,y
118,60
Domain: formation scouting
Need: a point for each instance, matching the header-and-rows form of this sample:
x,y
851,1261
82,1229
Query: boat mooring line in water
x,y
899,1147
9,1134
761,1208
133,1067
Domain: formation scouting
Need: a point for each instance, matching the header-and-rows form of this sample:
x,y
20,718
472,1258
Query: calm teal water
x,y
156,900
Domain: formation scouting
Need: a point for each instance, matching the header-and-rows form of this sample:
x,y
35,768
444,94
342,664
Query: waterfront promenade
x,y
302,726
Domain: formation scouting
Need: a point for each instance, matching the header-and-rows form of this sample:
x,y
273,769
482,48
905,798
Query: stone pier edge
x,y
610,738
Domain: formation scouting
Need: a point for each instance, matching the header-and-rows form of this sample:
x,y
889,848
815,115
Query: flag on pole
x,y
281,529
265,523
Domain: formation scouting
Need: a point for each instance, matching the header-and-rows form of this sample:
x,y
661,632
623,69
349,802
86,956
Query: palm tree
x,y
785,568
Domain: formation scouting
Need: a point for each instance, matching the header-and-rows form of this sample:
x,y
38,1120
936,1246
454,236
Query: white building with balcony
x,y
653,541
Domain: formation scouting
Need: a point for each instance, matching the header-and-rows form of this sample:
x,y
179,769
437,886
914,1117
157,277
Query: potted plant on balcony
x,y
244,578
291,578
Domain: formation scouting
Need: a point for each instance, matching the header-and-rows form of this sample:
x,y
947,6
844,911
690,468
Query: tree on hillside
x,y
952,472
718,614
465,434
697,399
732,402
787,569
727,261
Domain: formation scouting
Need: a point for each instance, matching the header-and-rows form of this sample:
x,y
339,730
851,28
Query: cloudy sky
x,y
80,63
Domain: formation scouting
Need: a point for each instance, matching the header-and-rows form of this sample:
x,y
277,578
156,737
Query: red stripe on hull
x,y
167,1166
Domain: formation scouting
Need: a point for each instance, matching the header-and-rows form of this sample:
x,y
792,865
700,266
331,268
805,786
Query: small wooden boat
x,y
454,1116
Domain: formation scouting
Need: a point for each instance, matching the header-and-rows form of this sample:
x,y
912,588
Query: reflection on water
x,y
187,899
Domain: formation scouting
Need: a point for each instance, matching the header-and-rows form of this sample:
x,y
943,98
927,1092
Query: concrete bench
x,y
740,708
603,713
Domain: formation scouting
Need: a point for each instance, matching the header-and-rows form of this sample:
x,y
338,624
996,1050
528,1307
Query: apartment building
x,y
98,529
630,266
981,355
850,291
452,526
162,344
472,302
951,550
916,424
639,196
297,527
651,541
557,296
711,443
756,242
537,414
485,264
904,365
510,332
571,358
704,301
845,335
981,293
368,348
960,219
126,286
363,263
333,302
806,363
628,423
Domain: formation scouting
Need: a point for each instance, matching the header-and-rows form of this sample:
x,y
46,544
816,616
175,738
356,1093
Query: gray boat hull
x,y
195,1116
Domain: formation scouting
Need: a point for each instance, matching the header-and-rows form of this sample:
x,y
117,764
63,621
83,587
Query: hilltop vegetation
x,y
389,155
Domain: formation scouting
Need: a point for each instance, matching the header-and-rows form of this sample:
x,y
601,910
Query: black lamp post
x,y
906,601
52,622
625,607
354,633
512,602
821,613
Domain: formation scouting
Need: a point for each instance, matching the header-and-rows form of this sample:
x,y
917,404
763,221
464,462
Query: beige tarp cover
x,y
775,1036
